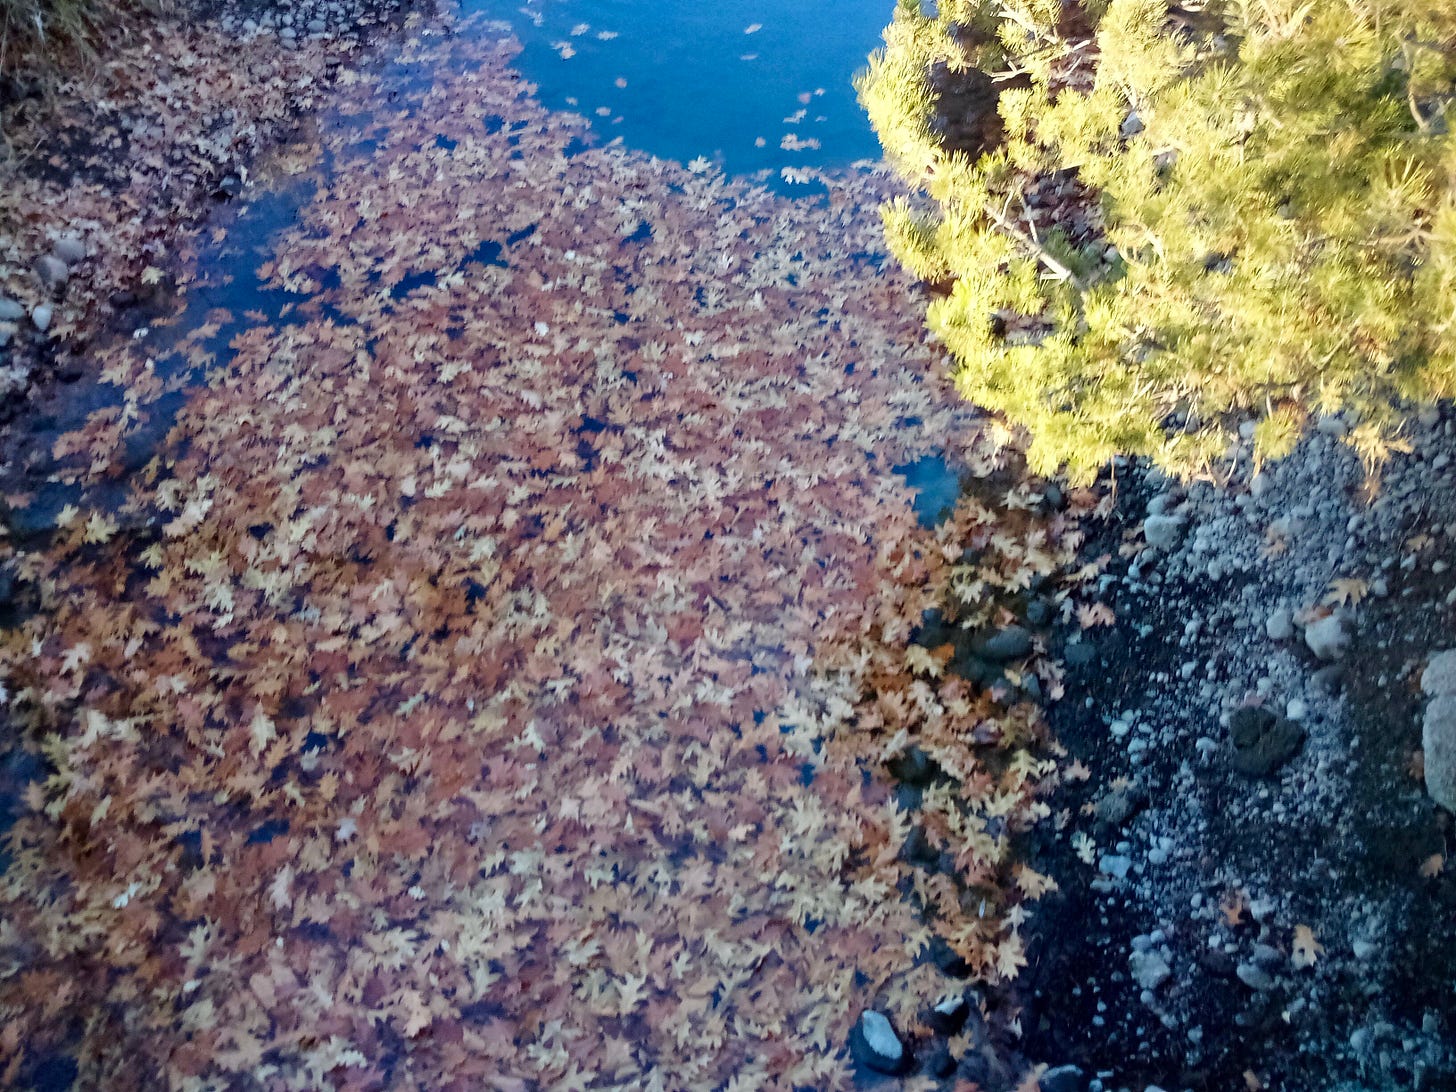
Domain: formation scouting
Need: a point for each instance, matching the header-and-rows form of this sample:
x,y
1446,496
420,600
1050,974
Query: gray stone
x,y
317,26
1268,957
1256,978
41,316
1260,484
51,271
876,1046
1327,637
1163,532
10,311
7,331
1439,678
1116,866
1280,626
1148,969
1438,738
70,249
1262,741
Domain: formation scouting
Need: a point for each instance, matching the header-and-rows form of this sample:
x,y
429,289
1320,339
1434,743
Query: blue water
x,y
687,79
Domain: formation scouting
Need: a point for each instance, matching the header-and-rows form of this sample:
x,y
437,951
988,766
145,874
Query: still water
x,y
750,85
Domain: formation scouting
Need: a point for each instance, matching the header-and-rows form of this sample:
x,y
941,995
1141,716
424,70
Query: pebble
x,y
1256,978
1260,484
1280,626
51,271
70,249
1115,866
1163,532
41,316
1326,637
7,331
10,311
1148,969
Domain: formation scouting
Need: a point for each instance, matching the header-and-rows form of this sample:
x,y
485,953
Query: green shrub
x,y
1144,226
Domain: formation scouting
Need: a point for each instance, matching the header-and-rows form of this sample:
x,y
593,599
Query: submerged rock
x,y
70,250
875,1045
1011,643
1064,1078
51,271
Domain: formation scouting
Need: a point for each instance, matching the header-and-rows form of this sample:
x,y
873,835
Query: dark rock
x,y
1080,654
1064,1078
1040,612
1262,741
1053,498
909,797
914,767
122,300
976,670
1011,643
874,1045
40,519
69,373
1216,962
1330,678
949,1016
947,959
940,1064
917,849
228,188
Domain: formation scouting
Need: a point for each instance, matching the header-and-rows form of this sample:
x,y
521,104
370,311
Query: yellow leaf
x,y
1307,950
1346,591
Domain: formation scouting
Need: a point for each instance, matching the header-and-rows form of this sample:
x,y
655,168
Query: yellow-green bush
x,y
1175,221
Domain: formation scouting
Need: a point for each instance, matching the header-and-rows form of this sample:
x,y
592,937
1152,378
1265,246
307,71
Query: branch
x,y
1036,249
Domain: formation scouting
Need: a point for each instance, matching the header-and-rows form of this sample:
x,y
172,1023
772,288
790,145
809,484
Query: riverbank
x,y
110,171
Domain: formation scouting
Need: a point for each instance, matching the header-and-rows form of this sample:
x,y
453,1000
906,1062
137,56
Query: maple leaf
x,y
1306,949
280,892
1032,883
1095,614
1085,847
1433,865
1345,591
1233,905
